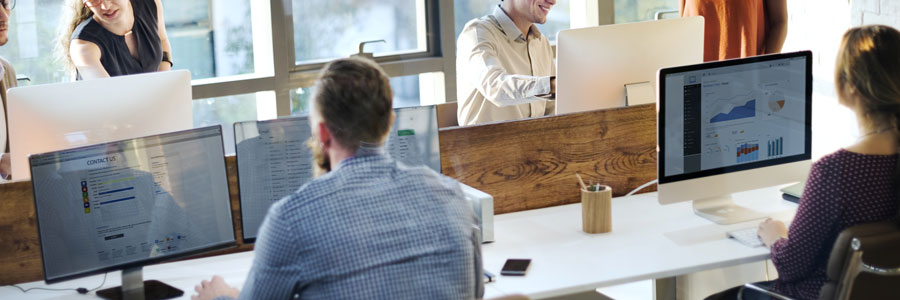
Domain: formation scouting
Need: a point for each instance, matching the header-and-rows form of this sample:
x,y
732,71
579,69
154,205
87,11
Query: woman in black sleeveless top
x,y
117,37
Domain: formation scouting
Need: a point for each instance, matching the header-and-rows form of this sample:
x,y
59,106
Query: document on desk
x,y
273,162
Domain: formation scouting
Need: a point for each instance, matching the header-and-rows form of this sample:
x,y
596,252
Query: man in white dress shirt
x,y
504,65
7,80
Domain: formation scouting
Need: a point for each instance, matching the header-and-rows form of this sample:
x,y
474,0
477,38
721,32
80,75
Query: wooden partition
x,y
531,163
524,164
20,253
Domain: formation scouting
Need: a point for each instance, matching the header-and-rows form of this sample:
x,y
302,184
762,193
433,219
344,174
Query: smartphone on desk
x,y
515,267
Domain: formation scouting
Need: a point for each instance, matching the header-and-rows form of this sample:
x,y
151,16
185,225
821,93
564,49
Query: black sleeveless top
x,y
114,54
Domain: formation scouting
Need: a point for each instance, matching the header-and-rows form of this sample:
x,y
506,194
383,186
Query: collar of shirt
x,y
509,27
362,154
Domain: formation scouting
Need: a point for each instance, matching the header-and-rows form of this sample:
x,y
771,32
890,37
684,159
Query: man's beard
x,y
322,162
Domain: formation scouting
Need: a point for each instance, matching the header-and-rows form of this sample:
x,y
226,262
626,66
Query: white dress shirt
x,y
7,81
500,74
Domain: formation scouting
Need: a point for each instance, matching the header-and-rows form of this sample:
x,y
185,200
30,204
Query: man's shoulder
x,y
481,26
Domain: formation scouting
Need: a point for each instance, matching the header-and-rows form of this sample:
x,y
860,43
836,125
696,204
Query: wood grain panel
x,y
20,253
530,164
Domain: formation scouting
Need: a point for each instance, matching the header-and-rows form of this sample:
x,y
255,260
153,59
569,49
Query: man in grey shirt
x,y
370,227
504,65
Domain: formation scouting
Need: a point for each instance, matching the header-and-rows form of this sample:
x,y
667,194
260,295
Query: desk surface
x,y
648,241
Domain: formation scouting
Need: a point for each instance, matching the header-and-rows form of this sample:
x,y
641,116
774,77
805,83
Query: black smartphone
x,y
515,267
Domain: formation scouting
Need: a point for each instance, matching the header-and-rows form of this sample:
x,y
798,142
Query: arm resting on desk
x,y
810,236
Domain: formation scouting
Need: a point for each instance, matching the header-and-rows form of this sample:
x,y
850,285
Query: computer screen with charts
x,y
734,125
129,203
274,161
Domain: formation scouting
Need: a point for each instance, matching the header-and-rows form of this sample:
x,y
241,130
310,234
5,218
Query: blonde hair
x,y
78,12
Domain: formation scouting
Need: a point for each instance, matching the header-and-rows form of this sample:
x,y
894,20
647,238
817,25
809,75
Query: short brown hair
x,y
354,98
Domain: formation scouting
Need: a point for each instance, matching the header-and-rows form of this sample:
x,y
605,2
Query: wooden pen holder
x,y
596,210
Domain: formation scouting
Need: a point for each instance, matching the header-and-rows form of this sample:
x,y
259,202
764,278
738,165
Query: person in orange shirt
x,y
741,28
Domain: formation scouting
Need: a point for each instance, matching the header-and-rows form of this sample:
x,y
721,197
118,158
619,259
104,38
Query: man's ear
x,y
324,135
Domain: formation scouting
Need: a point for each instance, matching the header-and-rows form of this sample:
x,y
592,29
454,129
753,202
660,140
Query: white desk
x,y
648,241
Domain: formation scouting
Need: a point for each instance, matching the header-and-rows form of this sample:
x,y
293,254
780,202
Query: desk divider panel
x,y
529,164
524,164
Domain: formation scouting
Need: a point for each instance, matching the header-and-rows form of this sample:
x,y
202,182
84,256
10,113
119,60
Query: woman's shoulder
x,y
88,30
144,8
844,158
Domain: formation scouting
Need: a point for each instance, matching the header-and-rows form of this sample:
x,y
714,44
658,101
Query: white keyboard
x,y
746,236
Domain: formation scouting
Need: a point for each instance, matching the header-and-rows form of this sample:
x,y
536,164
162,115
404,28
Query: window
x,y
412,90
210,38
325,30
465,11
229,109
641,10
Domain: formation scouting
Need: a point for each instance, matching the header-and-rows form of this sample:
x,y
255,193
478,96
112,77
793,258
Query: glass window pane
x,y
465,11
642,10
211,38
413,90
330,29
32,44
229,109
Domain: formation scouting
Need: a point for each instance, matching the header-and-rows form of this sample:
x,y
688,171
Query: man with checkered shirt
x,y
369,226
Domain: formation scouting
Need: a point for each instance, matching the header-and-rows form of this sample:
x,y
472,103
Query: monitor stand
x,y
134,287
723,210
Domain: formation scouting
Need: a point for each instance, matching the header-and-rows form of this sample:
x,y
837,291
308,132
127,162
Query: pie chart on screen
x,y
776,102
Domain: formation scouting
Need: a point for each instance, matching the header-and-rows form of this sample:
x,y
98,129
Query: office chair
x,y
863,264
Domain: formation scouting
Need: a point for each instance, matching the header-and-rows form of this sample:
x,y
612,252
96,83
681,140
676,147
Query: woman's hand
x,y
770,231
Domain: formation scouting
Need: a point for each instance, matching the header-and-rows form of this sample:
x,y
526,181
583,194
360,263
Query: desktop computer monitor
x,y
731,126
51,117
273,160
125,204
595,65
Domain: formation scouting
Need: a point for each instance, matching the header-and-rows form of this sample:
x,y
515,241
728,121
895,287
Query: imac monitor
x,y
274,161
125,204
732,126
51,117
597,65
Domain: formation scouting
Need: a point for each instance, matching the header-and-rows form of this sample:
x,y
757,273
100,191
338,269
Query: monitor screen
x,y
132,202
734,115
414,137
274,161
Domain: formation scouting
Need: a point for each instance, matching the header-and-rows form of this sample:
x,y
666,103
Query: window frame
x,y
278,71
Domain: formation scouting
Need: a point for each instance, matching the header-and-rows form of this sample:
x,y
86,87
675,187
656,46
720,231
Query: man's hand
x,y
216,287
770,231
5,165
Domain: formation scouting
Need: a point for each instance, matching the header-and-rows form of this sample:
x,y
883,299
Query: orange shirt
x,y
734,28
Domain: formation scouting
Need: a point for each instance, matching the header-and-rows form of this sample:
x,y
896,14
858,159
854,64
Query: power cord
x,y
80,290
641,187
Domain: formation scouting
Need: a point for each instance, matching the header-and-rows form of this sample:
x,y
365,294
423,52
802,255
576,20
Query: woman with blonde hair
x,y
855,185
116,37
